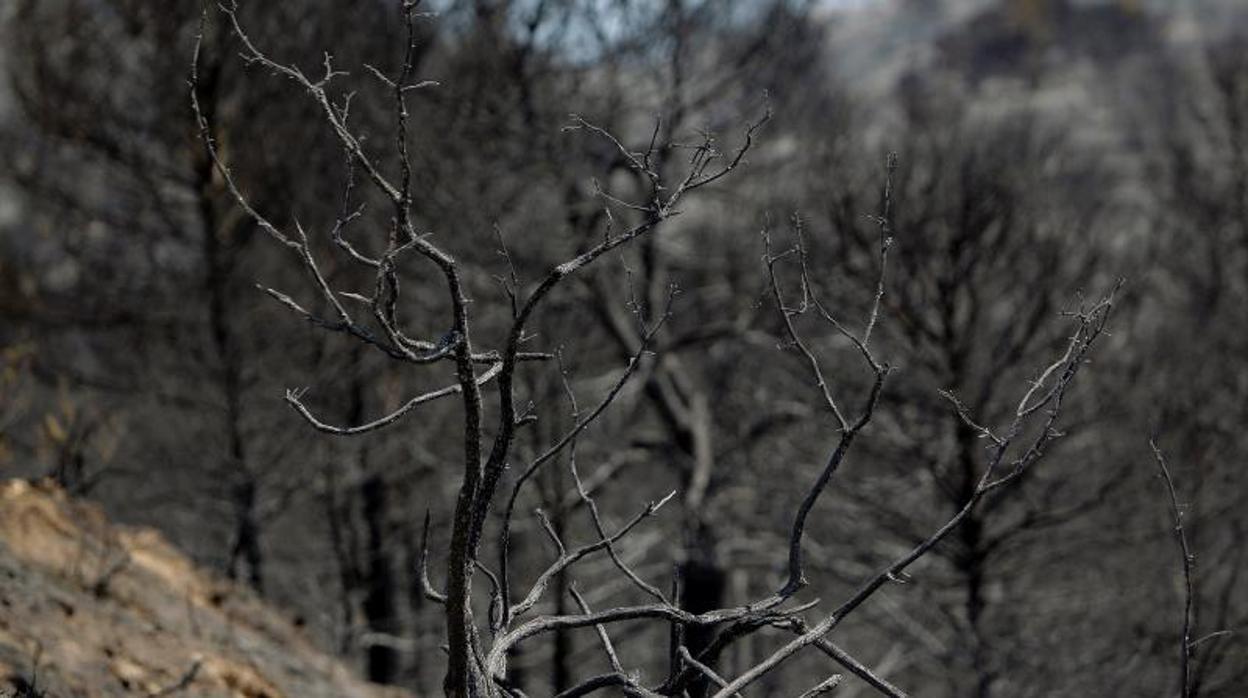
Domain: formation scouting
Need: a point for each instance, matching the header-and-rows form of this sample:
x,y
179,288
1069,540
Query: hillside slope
x,y
88,609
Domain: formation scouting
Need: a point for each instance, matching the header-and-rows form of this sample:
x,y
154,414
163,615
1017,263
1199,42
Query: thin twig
x,y
1176,517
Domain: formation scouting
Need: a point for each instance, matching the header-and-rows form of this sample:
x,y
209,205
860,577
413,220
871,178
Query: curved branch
x,y
568,438
293,399
426,586
566,560
1176,517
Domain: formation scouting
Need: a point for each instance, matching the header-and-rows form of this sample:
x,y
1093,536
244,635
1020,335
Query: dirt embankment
x,y
88,609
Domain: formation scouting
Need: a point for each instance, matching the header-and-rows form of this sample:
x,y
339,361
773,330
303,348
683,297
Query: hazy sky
x,y
847,4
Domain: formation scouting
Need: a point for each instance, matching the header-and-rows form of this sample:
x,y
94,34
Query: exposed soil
x,y
89,608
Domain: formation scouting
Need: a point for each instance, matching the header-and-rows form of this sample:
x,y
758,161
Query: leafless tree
x,y
479,647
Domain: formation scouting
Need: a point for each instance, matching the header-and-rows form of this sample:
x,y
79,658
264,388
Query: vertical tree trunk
x,y
703,582
346,557
703,577
375,573
561,669
971,566
246,558
973,578
465,675
379,602
219,257
220,240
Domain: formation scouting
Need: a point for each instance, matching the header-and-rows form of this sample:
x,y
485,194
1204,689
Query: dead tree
x,y
479,645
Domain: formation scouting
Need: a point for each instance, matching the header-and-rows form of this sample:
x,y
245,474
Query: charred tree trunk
x,y
971,564
973,578
561,670
380,610
219,254
246,558
703,582
346,557
380,607
220,242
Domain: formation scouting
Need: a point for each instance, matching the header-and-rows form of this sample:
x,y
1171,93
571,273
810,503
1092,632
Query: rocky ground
x,y
88,608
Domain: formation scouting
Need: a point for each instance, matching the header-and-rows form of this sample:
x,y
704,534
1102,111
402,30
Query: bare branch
x,y
584,494
1176,517
1090,325
824,687
595,683
567,559
205,135
786,314
702,668
966,418
603,636
293,398
851,664
426,586
568,438
886,241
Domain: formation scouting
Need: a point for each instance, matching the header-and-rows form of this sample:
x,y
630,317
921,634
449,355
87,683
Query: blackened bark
x,y
971,565
703,581
346,558
973,574
561,671
379,602
220,241
246,558
219,257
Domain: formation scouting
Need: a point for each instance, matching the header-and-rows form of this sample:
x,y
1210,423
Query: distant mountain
x,y
877,42
1030,37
